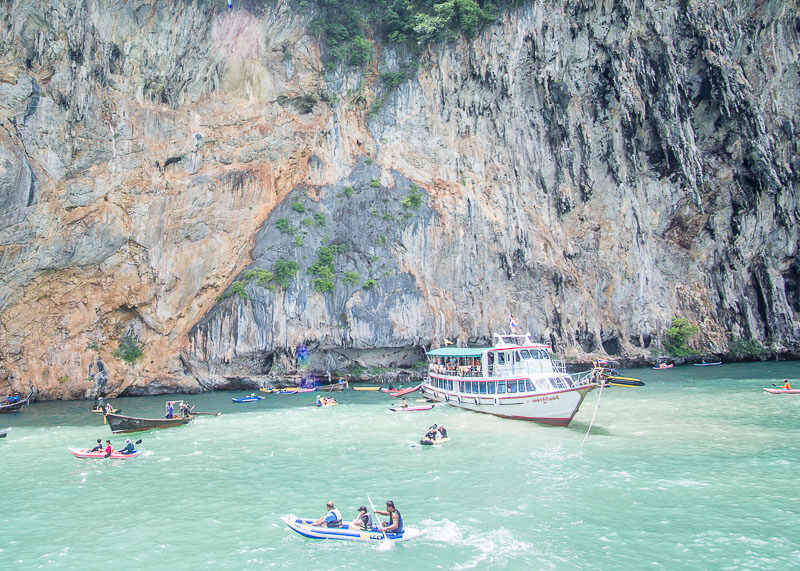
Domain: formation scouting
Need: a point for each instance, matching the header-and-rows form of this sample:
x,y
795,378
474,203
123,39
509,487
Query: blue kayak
x,y
704,364
248,399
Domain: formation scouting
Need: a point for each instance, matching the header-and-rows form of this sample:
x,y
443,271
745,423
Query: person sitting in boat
x,y
109,449
432,433
186,410
786,386
395,523
442,432
170,411
403,403
331,519
97,405
109,408
128,449
363,520
319,400
391,387
99,446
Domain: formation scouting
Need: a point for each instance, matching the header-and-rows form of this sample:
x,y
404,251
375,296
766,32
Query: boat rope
x,y
596,406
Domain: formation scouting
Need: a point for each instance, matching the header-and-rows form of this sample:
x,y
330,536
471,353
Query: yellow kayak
x,y
366,388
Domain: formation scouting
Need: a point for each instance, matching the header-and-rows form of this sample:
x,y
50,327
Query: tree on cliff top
x,y
677,335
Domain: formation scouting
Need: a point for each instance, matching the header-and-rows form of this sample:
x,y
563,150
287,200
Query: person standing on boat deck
x,y
331,519
128,447
363,520
395,524
786,385
170,410
99,446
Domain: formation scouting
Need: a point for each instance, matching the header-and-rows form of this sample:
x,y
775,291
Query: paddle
x,y
375,513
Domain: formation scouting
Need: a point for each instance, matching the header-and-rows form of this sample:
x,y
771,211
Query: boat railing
x,y
559,366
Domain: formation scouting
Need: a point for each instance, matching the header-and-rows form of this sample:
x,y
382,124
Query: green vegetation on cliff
x,y
345,25
676,337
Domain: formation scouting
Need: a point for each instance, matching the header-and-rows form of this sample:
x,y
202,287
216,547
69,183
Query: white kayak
x,y
344,533
411,408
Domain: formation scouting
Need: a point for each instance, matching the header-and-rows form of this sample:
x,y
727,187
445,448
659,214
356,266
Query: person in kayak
x,y
395,524
786,385
442,432
109,449
403,403
363,521
99,446
331,519
128,447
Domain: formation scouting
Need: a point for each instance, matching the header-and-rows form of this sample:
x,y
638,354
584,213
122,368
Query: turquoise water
x,y
696,470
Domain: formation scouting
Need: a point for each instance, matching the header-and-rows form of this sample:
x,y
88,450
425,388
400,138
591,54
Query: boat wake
x,y
498,547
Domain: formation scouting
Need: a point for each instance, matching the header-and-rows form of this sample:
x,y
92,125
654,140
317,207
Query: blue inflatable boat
x,y
304,528
251,398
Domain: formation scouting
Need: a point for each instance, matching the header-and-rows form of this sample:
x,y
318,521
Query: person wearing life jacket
x,y
786,385
109,449
128,447
331,519
443,432
363,520
395,523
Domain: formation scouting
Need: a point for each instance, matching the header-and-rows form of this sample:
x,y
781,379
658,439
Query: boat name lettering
x,y
545,398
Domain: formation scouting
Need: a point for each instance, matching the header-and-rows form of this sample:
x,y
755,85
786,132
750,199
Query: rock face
x,y
594,169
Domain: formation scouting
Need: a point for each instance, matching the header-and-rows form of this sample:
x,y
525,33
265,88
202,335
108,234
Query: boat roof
x,y
457,351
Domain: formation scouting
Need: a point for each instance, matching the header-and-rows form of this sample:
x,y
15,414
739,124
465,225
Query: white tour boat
x,y
515,378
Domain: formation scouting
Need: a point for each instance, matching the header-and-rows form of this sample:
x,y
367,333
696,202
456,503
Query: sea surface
x,y
697,470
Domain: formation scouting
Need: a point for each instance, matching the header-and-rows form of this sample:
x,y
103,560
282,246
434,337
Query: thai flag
x,y
602,362
511,323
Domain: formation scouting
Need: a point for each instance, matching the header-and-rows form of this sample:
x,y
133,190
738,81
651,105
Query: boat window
x,y
501,359
531,386
491,388
512,386
558,383
568,381
483,388
517,358
525,354
501,388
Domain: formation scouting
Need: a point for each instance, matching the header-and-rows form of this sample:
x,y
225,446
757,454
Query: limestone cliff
x,y
593,168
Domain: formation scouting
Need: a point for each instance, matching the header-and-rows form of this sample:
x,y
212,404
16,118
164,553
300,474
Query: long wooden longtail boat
x,y
122,423
15,406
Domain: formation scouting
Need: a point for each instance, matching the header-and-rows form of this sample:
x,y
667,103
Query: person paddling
x,y
99,446
109,449
786,386
331,519
395,523
129,449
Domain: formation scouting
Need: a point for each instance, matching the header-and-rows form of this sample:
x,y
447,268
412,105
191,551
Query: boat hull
x,y
304,528
783,391
86,454
411,408
247,399
120,423
366,388
555,408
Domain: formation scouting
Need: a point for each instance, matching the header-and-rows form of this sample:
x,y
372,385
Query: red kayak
x,y
85,453
406,391
411,408
783,391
